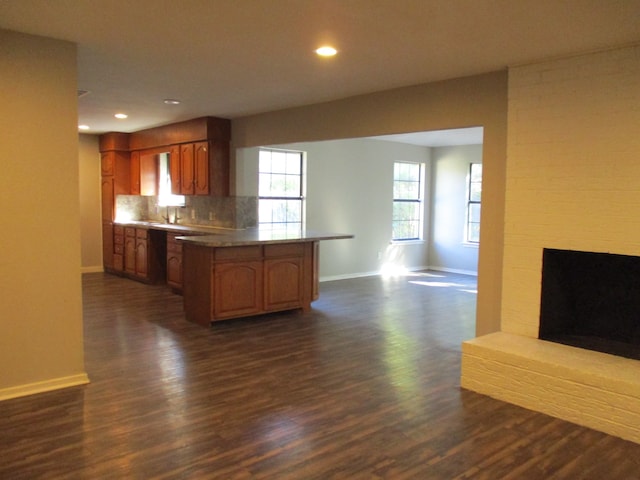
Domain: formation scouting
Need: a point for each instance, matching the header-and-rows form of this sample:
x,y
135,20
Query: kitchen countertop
x,y
175,227
258,236
223,237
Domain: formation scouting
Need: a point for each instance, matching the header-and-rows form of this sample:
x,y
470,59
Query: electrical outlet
x,y
379,255
210,216
193,214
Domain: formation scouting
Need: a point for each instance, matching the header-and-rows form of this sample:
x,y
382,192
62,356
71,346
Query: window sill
x,y
470,244
407,242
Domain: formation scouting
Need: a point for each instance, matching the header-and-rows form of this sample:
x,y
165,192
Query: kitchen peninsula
x,y
249,272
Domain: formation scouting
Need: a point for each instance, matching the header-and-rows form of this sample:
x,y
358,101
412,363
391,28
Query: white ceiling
x,y
438,138
232,58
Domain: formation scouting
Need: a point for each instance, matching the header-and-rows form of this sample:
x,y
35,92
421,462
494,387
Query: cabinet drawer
x,y
236,253
118,248
118,230
118,239
284,250
130,231
141,233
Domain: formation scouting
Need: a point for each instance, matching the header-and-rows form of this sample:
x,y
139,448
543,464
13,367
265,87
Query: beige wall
x,y
573,172
90,207
41,343
465,102
449,185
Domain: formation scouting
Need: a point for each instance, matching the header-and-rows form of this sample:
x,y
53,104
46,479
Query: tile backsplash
x,y
222,212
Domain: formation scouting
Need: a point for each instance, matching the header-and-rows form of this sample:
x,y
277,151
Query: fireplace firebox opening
x,y
591,300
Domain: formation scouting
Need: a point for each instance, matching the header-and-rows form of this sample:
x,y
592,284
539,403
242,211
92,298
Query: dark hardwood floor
x,y
365,386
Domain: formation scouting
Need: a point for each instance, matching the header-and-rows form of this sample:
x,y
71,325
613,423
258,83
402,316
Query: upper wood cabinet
x,y
135,173
199,156
116,177
144,173
191,168
201,168
174,168
187,170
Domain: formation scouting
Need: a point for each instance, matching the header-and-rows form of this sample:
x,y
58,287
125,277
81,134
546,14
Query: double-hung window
x,y
408,191
280,188
474,194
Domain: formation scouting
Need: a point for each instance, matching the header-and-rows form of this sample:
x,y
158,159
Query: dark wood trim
x,y
114,141
195,130
156,138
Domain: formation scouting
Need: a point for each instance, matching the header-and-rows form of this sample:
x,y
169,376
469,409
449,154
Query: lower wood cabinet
x,y
118,248
230,282
143,254
283,283
231,278
174,261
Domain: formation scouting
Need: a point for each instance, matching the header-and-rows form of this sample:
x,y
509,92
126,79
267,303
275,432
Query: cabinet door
x,y
118,248
130,254
148,176
174,169
108,199
135,173
142,260
237,289
187,170
107,163
107,244
283,283
174,261
201,168
174,269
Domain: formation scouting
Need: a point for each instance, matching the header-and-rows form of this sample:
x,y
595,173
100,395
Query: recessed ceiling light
x,y
326,51
83,127
171,101
121,115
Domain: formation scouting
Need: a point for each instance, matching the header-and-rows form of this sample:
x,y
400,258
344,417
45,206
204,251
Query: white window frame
x,y
469,221
416,200
298,197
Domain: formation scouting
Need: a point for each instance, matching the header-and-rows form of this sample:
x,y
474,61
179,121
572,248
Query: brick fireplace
x,y
572,184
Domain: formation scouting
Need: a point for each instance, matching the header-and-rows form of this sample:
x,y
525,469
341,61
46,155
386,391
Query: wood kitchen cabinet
x,y
174,169
144,173
283,276
235,270
200,168
144,254
199,165
118,248
230,282
115,180
187,170
174,261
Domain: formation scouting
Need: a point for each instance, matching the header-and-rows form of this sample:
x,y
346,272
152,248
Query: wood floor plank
x,y
364,386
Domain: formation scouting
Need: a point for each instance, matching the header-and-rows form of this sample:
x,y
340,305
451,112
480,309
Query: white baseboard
x,y
43,386
348,276
454,270
92,269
